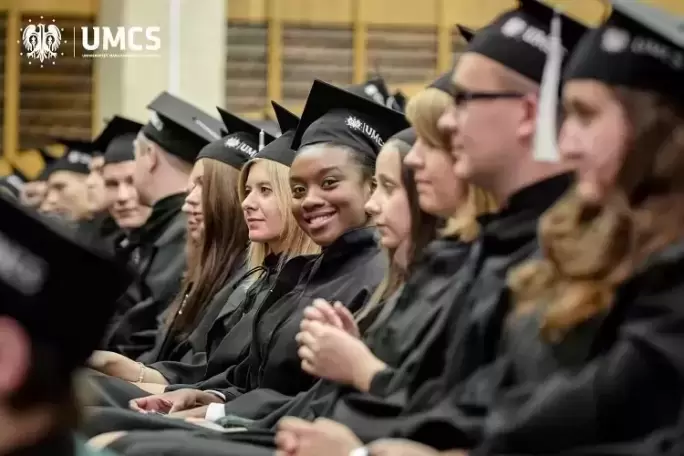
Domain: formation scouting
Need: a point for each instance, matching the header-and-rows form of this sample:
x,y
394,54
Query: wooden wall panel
x,y
85,8
318,12
246,67
400,12
314,52
246,10
56,99
401,55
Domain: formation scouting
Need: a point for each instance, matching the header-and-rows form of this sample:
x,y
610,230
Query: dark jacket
x,y
157,252
182,357
618,377
402,322
465,337
347,271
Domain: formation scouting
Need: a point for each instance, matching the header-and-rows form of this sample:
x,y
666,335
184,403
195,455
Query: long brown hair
x,y
589,251
222,246
423,231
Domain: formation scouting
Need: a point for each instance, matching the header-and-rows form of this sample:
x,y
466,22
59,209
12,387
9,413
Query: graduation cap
x,y
340,117
49,282
466,33
639,46
180,128
407,135
240,145
116,140
397,101
519,39
374,89
77,157
443,83
49,160
14,183
280,150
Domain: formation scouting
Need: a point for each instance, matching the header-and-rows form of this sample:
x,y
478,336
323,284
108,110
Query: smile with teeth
x,y
319,220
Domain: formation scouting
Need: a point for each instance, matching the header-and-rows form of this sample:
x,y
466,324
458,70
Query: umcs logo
x,y
120,41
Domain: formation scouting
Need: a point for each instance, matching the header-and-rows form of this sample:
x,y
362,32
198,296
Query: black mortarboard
x,y
239,146
340,117
519,39
374,89
76,158
286,120
397,101
639,46
407,135
49,160
50,281
443,83
14,183
466,33
280,149
179,127
116,139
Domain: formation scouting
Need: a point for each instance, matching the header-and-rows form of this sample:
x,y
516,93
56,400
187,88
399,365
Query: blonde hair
x,y
423,112
296,242
589,251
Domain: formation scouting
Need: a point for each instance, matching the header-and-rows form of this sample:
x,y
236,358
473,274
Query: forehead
x,y
65,177
586,91
315,160
120,169
388,162
476,72
258,172
198,169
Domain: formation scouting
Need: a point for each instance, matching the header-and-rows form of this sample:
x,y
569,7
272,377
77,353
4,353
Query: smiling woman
x,y
330,186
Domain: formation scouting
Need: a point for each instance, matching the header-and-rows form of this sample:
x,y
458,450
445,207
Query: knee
x,y
104,440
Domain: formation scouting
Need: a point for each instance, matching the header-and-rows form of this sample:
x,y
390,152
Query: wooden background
x,y
274,49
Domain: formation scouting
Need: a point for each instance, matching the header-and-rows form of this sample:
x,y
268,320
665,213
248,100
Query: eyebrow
x,y
258,184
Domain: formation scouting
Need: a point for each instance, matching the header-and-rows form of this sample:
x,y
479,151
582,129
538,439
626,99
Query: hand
x,y
195,413
173,401
396,447
336,315
297,437
333,354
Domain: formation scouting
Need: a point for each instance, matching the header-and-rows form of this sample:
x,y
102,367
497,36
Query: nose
x,y
568,144
414,158
249,203
193,198
372,206
124,193
447,123
312,200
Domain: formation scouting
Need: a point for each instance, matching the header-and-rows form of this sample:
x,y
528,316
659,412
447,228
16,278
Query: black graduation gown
x,y
181,360
404,320
348,270
157,250
616,378
464,339
101,230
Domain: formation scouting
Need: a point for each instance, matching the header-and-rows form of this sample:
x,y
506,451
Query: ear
x,y
15,355
528,117
153,157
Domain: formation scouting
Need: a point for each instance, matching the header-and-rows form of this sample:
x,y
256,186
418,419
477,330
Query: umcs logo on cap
x,y
235,143
517,28
359,125
78,157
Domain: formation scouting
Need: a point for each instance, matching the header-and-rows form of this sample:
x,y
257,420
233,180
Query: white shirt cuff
x,y
218,394
215,411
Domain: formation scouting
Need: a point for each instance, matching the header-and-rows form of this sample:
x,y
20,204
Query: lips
x,y
318,220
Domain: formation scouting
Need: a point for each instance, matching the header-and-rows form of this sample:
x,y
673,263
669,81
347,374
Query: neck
x,y
529,173
275,247
166,185
24,429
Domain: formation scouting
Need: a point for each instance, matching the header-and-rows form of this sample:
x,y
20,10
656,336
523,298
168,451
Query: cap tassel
x,y
262,140
546,136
